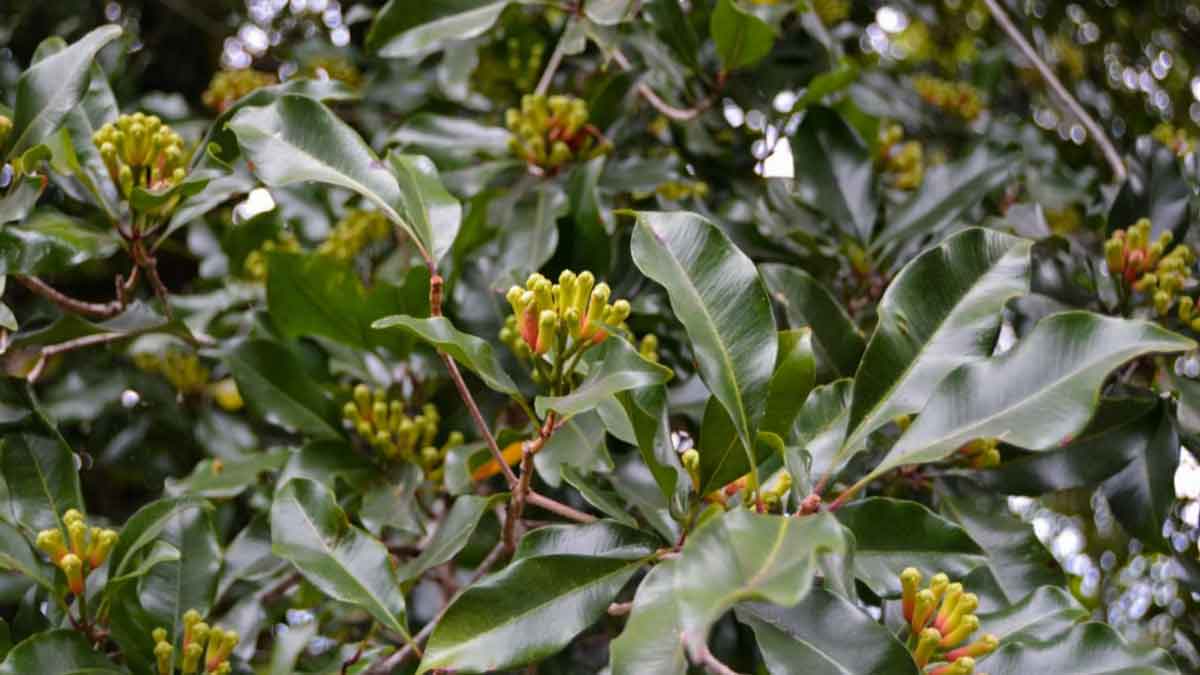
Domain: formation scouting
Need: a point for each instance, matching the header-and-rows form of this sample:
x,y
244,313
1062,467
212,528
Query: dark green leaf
x,y
475,354
229,478
425,203
835,172
452,534
742,39
273,383
793,379
619,368
1088,649
717,295
821,425
309,530
42,478
57,652
603,538
1041,615
51,242
403,30
806,302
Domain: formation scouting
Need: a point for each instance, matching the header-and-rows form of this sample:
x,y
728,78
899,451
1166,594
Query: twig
x,y
558,508
101,310
477,416
1014,33
848,493
70,345
620,608
657,102
551,67
148,262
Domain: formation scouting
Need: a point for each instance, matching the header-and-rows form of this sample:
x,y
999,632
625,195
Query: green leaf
x,y
296,139
807,302
942,310
452,534
273,382
1044,613
1088,649
792,381
821,425
231,478
1162,194
475,354
404,30
57,652
579,443
646,411
717,295
605,500
315,295
425,202
454,138
742,39
145,527
892,534
50,89
824,635
736,557
948,191
619,368
20,199
289,645
309,530
1015,557
604,538
17,556
1036,395
675,29
51,242
611,12
835,172
526,612
1142,494
723,458
42,479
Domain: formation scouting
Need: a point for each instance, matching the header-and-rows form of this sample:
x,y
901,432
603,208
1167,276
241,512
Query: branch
x,y
70,345
559,508
1014,33
700,655
656,101
99,310
551,67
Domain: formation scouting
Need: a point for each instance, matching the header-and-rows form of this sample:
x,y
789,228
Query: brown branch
x,y
646,92
1106,146
70,345
700,655
559,508
148,262
620,608
99,310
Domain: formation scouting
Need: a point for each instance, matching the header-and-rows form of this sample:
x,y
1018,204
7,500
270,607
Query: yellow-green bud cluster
x,y
83,550
552,131
180,367
575,313
775,488
255,265
1178,139
6,127
354,232
1148,269
227,86
679,190
954,97
903,161
940,619
980,453
332,68
831,11
140,151
387,427
204,649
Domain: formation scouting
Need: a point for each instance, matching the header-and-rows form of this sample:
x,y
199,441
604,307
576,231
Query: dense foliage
x,y
626,336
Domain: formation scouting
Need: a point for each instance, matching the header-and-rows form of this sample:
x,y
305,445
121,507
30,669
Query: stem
x,y
101,310
701,656
850,492
477,416
551,67
1014,33
70,345
656,101
558,508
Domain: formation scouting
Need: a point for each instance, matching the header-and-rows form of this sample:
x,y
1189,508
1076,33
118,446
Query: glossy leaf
x,y
61,652
312,532
646,413
604,538
403,30
806,302
824,635
475,354
948,191
793,379
50,242
50,89
16,555
526,612
891,535
1015,557
619,368
579,443
742,39
821,425
1041,615
230,478
457,138
835,172
452,534
1088,649
941,311
273,383
297,139
1142,493
425,203
42,480
717,295
739,556
1036,395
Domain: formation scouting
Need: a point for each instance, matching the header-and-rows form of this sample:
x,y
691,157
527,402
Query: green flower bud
x,y
967,625
926,644
923,608
910,579
547,331
954,592
164,654
51,543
